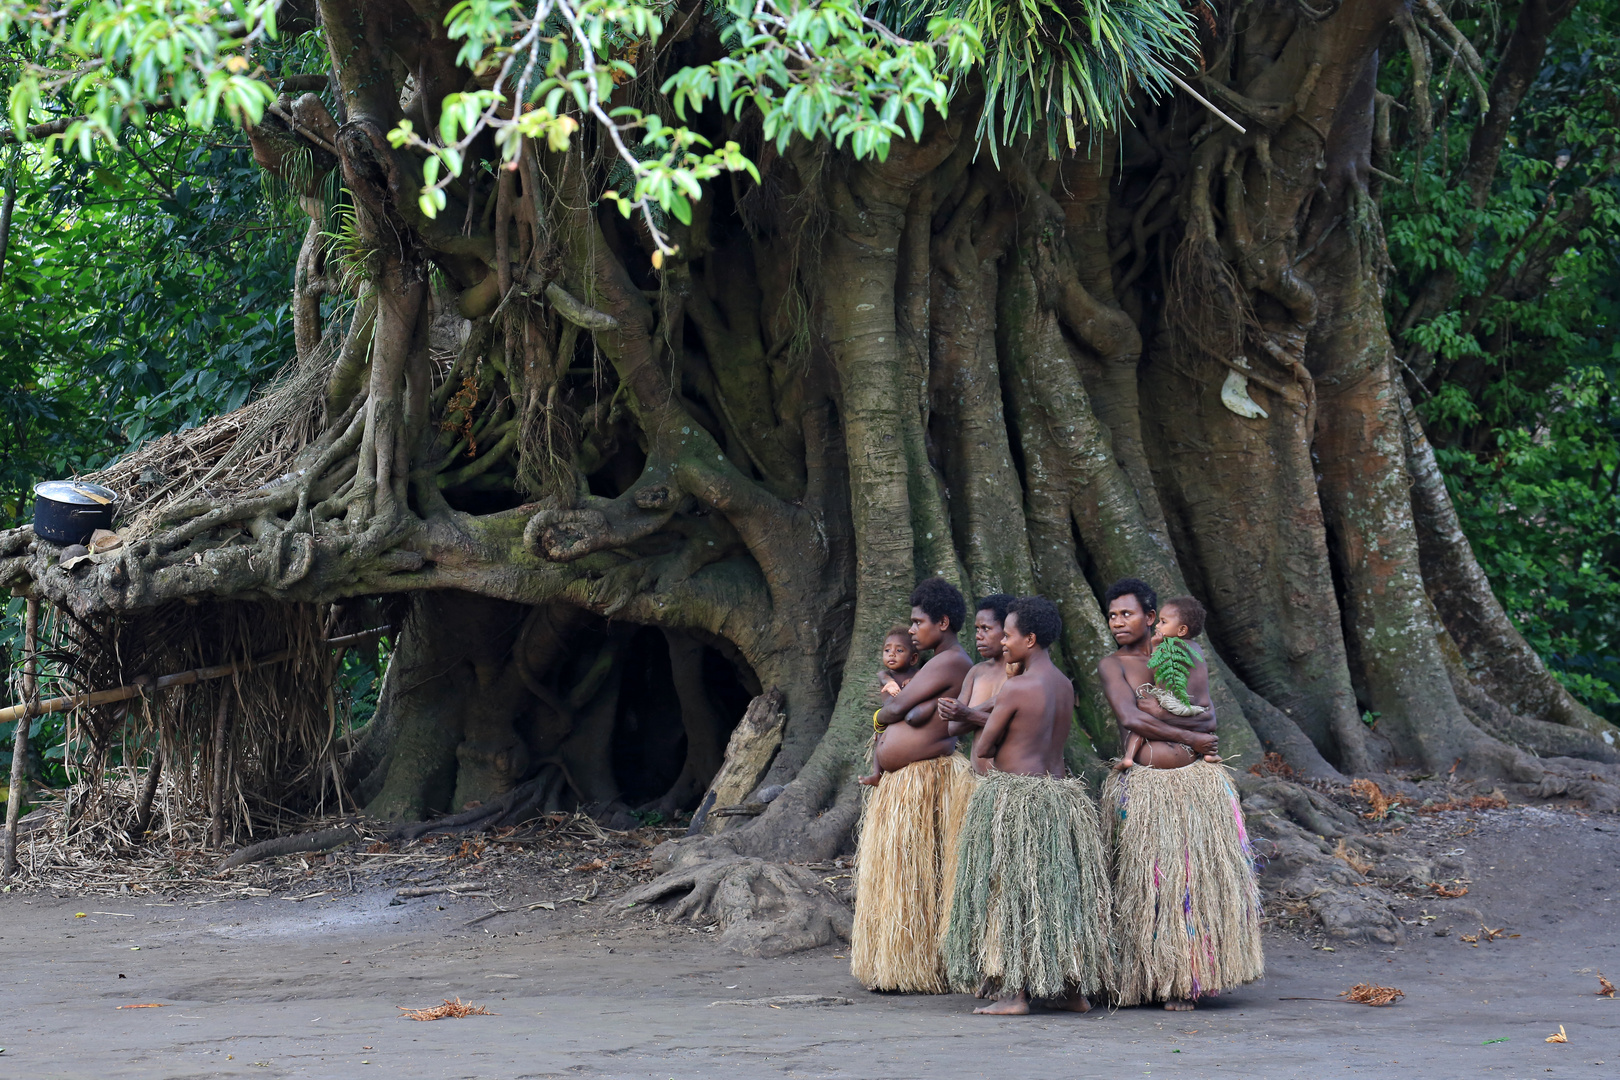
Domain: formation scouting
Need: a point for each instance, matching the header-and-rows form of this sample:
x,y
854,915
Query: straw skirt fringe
x,y
905,862
1030,907
1186,905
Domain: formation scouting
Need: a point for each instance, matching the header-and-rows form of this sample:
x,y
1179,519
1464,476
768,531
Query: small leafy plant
x,y
1171,662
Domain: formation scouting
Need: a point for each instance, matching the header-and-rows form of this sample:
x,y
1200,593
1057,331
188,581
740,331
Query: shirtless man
x,y
1022,799
910,727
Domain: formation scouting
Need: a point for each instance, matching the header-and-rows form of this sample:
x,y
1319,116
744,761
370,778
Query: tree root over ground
x,y
1354,857
762,908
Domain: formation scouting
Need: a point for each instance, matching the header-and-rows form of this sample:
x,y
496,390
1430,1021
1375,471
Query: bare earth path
x,y
270,988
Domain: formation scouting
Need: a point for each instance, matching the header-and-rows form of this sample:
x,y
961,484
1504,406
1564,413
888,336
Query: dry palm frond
x,y
1381,803
281,754
1368,994
1560,1037
454,1010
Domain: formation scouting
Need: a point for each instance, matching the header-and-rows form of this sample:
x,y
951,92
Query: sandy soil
x,y
267,986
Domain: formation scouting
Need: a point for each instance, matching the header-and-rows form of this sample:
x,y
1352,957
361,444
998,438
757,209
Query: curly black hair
x,y
1132,587
1191,611
996,604
1039,616
940,600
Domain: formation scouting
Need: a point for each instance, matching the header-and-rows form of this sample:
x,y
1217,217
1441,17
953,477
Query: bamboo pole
x,y
19,746
124,693
163,682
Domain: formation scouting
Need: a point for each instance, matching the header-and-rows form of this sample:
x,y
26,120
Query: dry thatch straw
x,y
282,747
1030,908
1186,904
230,454
906,862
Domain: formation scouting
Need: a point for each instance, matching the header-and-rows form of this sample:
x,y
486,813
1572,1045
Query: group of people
x,y
992,872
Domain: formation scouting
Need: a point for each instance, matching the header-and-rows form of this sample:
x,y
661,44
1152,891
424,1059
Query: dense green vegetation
x,y
147,287
1517,376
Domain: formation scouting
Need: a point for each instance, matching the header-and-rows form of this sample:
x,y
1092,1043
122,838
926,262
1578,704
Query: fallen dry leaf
x,y
1272,765
1560,1037
1367,994
1472,939
1381,803
1494,801
589,867
1360,866
152,1005
1448,892
454,1009
1605,987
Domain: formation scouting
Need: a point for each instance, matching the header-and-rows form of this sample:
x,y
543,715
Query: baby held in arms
x,y
1176,662
909,727
900,658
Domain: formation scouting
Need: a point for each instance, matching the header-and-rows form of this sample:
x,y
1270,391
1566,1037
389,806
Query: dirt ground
x,y
293,984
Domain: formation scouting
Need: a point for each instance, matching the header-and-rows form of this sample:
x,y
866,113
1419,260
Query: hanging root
x,y
1206,303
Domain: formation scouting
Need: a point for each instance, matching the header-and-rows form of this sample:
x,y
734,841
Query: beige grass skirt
x,y
1030,907
1186,905
904,865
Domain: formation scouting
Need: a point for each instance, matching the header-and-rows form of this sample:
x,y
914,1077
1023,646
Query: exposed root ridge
x,y
762,908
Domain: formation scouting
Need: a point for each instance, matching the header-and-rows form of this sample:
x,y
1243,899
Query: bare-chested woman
x,y
1186,906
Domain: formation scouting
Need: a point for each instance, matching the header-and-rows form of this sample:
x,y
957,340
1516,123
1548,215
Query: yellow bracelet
x,y
875,725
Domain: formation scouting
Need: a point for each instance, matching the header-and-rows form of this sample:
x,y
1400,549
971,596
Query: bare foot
x,y
1013,1006
1213,759
1122,764
872,781
1179,1006
984,989
1072,1003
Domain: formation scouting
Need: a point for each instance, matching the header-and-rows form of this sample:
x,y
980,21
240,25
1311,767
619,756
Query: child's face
x,y
897,653
1170,624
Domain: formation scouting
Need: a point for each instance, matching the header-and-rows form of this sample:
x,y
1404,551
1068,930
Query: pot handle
x,y
93,511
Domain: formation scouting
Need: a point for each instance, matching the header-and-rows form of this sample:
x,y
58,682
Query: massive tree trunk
x,y
625,494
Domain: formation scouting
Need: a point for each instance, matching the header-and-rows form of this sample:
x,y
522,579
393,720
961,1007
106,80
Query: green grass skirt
x,y
1031,903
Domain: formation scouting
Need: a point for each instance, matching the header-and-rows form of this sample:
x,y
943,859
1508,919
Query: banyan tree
x,y
649,352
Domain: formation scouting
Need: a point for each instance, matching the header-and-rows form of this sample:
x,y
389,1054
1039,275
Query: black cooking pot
x,y
68,511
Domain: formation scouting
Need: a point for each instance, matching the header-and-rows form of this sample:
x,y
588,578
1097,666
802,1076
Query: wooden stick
x,y
124,693
19,746
1206,103
216,795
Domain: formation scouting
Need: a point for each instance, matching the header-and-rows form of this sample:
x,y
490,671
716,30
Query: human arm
x,y
988,743
963,719
1121,697
941,675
